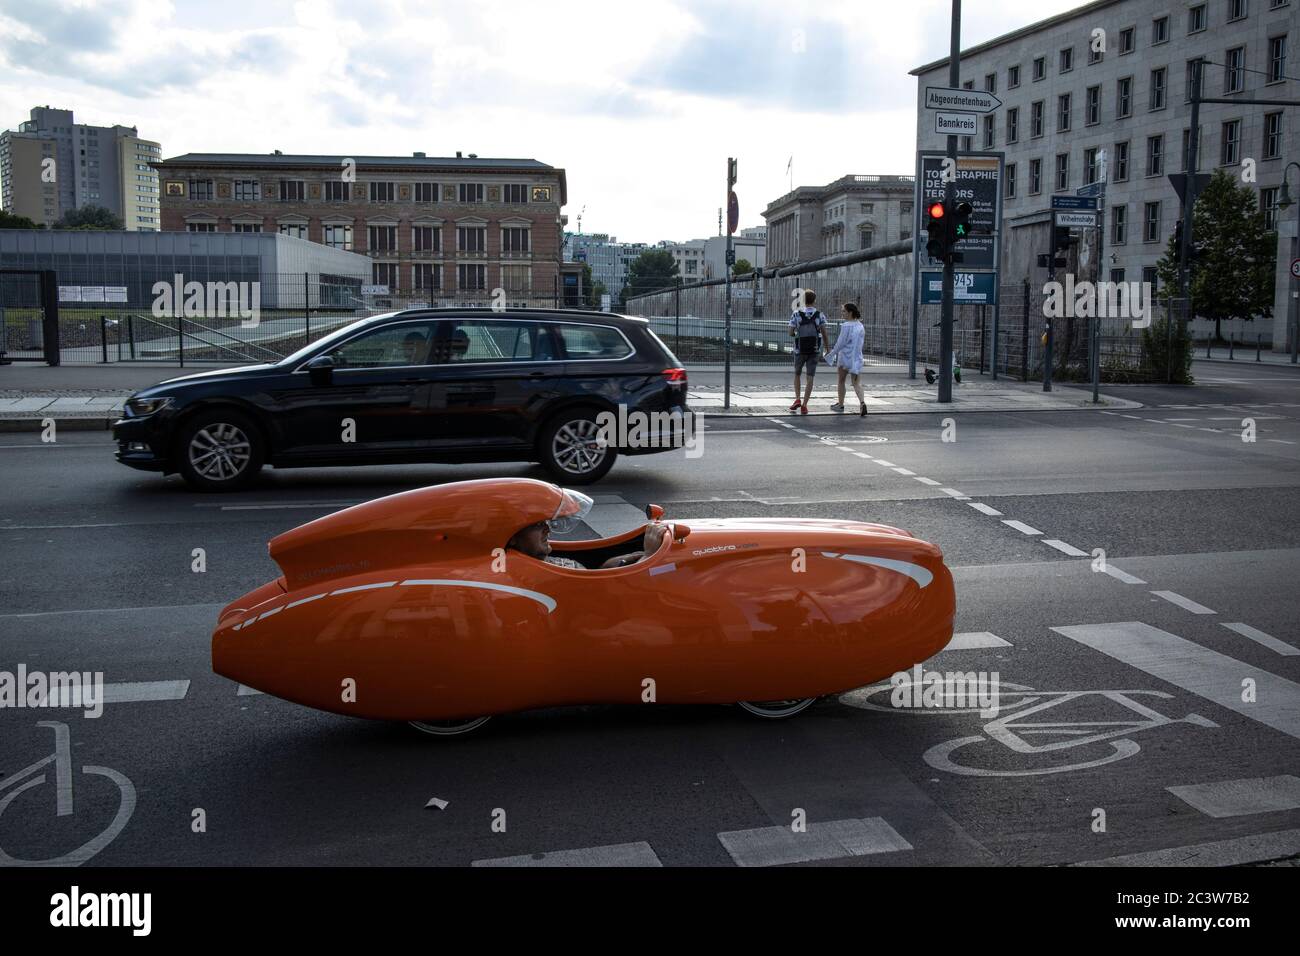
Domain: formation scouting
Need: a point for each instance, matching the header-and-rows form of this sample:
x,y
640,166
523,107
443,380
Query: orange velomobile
x,y
411,608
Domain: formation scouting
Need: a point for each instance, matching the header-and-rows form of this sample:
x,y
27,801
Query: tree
x,y
89,217
654,269
1233,254
593,288
742,267
10,221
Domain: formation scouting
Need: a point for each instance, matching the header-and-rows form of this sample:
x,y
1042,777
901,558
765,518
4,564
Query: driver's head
x,y
413,345
533,541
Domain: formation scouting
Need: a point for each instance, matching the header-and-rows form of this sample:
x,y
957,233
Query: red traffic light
x,y
936,210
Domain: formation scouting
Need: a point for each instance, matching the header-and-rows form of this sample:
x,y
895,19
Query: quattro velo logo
x,y
1098,300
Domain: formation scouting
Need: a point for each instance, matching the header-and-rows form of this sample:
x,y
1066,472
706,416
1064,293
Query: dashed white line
x,y
1187,604
925,481
959,495
887,464
1065,548
837,839
1120,575
138,691
904,471
975,640
984,509
1259,637
1020,526
621,854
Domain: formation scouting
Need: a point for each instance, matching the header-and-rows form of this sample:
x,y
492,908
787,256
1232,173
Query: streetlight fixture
x,y
1285,202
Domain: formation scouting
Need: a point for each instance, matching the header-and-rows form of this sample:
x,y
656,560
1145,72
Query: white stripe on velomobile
x,y
546,601
920,575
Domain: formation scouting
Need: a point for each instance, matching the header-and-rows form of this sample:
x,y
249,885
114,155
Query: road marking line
x,y
887,464
1187,604
248,691
56,527
110,610
1134,417
1280,441
904,471
1247,849
984,509
777,846
618,854
1061,546
925,481
863,454
1020,526
1199,670
960,496
1119,575
974,640
1239,798
138,691
1259,637
839,447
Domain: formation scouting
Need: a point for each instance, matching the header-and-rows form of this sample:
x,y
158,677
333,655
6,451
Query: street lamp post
x,y
1292,307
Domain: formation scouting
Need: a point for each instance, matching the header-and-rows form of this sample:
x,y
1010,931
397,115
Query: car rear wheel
x,y
449,728
220,450
570,449
776,709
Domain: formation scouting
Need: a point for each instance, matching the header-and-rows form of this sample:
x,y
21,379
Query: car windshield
x,y
329,339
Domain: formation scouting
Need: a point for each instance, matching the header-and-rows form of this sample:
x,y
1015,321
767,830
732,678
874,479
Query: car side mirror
x,y
680,531
321,369
654,512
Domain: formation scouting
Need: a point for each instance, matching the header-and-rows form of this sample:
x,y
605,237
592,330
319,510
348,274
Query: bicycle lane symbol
x,y
1013,730
61,759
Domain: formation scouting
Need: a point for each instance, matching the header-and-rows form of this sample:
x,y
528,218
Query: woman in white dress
x,y
846,355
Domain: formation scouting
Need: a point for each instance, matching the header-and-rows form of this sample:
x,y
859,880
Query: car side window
x,y
398,345
593,342
486,340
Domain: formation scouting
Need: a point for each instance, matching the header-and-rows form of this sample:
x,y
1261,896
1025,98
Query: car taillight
x,y
675,376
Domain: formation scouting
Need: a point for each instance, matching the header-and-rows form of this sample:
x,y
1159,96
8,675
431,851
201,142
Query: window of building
x,y
1196,19
246,227
1011,181
515,239
292,190
867,208
426,239
1230,146
1187,139
1040,67
248,190
1063,113
1276,59
1159,30
336,191
1272,135
1121,162
1062,171
1155,155
424,192
471,277
1236,10
1127,38
991,82
519,278
1119,225
514,193
1013,125
1268,205
1035,177
1036,119
1234,70
1151,222
199,188
989,132
471,238
1124,97
1090,165
968,85
1095,55
1013,77
338,237
426,276
866,238
385,274
1067,59
381,238
200,227
382,191
470,192
1158,78
1092,106
296,229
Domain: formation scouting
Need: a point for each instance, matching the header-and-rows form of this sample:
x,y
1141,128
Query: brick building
x,y
432,227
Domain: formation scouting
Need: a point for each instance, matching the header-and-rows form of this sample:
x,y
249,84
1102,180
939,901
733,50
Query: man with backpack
x,y
808,329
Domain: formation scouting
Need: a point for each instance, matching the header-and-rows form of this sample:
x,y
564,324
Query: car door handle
x,y
536,374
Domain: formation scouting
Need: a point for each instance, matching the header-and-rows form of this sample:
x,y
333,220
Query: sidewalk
x,y
91,397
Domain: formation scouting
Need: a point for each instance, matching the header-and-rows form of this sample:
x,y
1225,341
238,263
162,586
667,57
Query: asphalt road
x,y
1164,716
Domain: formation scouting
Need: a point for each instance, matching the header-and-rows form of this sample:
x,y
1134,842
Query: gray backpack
x,y
806,333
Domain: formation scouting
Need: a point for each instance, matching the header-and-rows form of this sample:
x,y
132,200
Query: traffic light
x,y
731,172
936,226
961,222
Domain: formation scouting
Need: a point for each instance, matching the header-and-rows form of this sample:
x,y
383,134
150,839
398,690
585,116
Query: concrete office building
x,y
1065,101
89,166
608,258
853,212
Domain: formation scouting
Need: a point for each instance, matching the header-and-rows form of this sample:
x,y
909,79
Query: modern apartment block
x,y
449,226
51,165
608,258
851,213
1066,100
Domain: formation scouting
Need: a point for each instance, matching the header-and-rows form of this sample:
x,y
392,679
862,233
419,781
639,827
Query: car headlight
x,y
146,406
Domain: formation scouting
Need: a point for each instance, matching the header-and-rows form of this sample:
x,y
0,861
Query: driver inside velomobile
x,y
534,539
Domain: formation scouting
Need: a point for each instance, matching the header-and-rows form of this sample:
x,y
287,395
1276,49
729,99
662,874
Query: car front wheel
x,y
571,450
220,450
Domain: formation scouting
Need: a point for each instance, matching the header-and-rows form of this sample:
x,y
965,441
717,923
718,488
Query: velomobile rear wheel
x,y
774,709
449,728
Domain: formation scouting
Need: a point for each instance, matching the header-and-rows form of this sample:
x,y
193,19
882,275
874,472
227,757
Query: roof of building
x,y
299,159
1021,32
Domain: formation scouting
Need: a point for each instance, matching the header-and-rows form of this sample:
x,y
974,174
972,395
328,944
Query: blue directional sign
x,y
1074,202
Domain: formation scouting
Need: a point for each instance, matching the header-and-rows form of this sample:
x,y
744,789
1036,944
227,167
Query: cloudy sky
x,y
640,102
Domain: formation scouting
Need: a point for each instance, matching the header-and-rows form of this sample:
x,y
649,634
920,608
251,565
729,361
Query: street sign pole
x,y
1189,199
731,226
945,320
1101,262
1051,277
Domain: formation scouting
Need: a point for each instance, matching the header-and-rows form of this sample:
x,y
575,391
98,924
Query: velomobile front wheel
x,y
777,708
448,728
